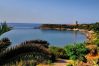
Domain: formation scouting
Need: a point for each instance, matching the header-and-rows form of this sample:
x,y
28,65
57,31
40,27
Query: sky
x,y
49,11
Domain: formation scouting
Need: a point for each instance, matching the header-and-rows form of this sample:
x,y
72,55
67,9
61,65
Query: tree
x,y
96,27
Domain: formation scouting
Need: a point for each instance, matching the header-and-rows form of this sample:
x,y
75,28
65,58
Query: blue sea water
x,y
54,37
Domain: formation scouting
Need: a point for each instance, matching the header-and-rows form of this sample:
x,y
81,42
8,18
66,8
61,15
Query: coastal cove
x,y
54,37
55,42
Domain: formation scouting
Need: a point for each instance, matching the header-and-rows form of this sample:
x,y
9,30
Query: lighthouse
x,y
76,23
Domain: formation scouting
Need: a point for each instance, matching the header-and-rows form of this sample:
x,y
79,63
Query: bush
x,y
82,58
94,51
96,42
58,52
53,58
69,65
77,51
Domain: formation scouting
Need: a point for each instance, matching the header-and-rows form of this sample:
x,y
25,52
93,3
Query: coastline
x,y
88,33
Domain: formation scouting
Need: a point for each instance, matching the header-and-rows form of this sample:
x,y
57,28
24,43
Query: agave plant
x,y
33,50
4,28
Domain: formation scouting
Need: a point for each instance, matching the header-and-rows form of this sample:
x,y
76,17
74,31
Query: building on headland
x,y
74,24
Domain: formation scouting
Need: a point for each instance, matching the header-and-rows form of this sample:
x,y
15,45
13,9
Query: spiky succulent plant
x,y
33,50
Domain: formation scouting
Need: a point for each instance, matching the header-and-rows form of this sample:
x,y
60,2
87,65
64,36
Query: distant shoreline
x,y
88,34
61,27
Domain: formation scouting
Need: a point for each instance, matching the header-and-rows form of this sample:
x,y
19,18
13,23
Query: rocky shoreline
x,y
89,35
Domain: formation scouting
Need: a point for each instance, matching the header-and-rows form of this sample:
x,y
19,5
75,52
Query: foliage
x,y
4,28
76,51
96,42
22,63
4,43
26,51
98,61
69,65
96,27
93,26
82,58
58,52
93,51
95,62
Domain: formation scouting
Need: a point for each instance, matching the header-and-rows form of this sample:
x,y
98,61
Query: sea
x,y
26,31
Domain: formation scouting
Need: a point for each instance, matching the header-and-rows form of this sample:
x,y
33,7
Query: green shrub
x,y
58,52
82,58
69,65
96,42
77,51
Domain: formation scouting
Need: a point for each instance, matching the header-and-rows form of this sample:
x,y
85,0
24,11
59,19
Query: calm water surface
x,y
54,37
